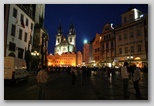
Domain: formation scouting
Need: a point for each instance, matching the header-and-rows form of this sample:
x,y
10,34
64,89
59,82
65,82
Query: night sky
x,y
88,19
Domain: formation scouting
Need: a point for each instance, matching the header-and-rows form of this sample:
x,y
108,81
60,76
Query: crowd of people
x,y
126,72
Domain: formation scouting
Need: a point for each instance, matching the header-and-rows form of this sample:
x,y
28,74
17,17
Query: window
x,y
30,42
112,46
70,39
107,46
25,39
125,36
20,34
126,49
26,22
139,48
21,17
103,46
120,37
104,38
131,35
109,36
132,49
95,50
20,53
14,12
125,19
13,30
58,40
98,49
131,17
12,46
139,33
31,26
120,50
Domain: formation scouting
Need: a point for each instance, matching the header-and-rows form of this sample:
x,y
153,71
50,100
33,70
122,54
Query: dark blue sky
x,y
88,19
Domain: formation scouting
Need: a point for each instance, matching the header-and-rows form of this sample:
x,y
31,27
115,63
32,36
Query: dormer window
x,y
125,19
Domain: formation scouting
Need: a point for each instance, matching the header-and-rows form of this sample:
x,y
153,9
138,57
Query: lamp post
x,y
129,58
35,59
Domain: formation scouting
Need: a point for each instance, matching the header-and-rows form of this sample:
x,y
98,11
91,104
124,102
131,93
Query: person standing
x,y
42,79
125,78
84,75
74,75
136,78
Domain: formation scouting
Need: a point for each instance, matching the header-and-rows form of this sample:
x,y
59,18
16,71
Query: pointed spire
x,y
60,28
71,28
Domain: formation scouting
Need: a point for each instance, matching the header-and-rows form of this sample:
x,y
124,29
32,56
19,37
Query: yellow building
x,y
65,59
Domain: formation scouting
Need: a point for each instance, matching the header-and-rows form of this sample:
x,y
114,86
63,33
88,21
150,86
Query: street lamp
x,y
35,59
130,58
35,53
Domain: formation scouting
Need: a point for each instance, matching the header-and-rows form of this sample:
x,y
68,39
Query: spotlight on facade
x,y
141,15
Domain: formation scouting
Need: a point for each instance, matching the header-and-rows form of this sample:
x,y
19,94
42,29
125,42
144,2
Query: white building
x,y
20,31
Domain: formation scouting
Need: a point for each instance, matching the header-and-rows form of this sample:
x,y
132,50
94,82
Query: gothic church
x,y
62,44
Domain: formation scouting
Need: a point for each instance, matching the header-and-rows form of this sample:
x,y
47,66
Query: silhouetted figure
x,y
125,78
84,75
136,79
42,79
74,75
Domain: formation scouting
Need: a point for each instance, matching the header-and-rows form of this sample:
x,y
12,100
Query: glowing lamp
x,y
85,41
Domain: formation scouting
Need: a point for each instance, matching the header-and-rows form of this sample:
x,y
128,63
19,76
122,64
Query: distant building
x,y
125,42
65,50
65,59
87,53
107,45
97,49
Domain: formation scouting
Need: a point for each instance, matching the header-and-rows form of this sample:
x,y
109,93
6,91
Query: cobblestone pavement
x,y
98,87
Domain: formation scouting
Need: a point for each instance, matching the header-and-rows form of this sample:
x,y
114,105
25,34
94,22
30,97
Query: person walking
x,y
125,78
136,79
74,75
42,79
84,75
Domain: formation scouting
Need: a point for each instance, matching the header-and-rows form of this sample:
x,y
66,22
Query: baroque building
x,y
131,38
65,54
65,45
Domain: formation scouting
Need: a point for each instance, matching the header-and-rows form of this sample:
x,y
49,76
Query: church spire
x,y
60,29
71,29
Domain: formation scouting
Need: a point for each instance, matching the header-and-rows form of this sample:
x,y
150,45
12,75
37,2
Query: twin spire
x,y
71,29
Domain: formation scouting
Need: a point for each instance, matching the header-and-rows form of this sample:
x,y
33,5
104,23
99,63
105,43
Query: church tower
x,y
59,38
72,38
59,35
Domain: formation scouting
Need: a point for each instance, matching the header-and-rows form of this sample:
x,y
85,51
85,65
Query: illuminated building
x,y
65,45
96,49
65,50
107,45
19,29
132,38
65,59
87,53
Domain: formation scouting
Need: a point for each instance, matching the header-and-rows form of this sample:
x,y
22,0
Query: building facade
x,y
65,45
131,38
125,42
20,29
67,59
24,35
107,45
87,53
65,50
